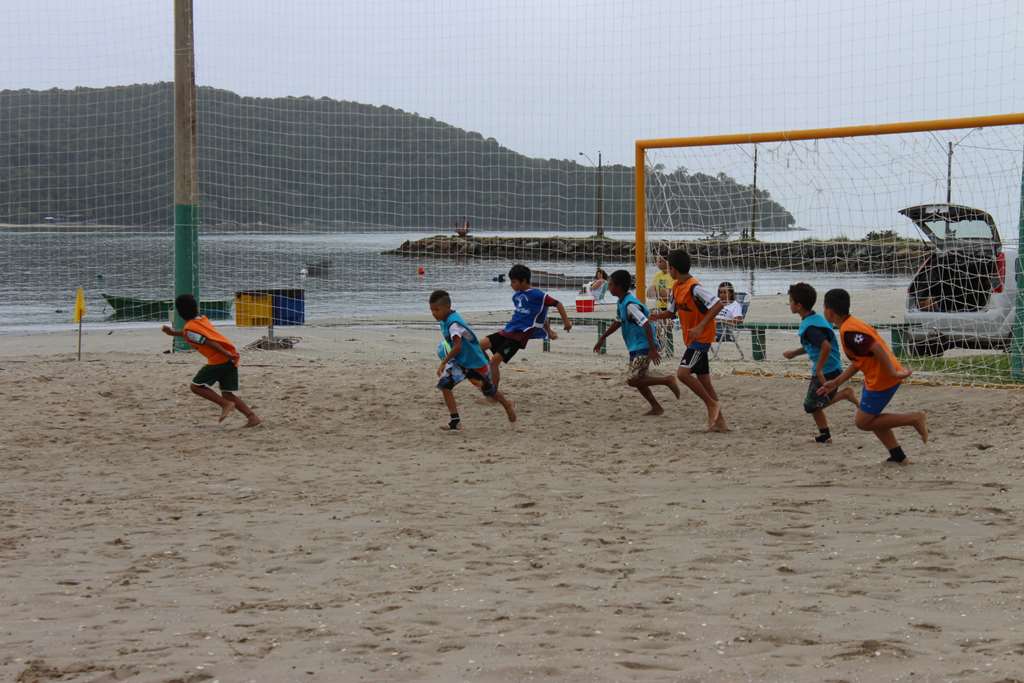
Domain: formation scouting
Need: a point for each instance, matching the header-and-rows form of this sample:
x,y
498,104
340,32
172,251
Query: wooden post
x,y
186,199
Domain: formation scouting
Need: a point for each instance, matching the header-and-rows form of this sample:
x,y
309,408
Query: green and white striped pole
x,y
1017,342
186,197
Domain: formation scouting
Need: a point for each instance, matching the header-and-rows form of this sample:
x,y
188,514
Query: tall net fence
x,y
922,228
353,159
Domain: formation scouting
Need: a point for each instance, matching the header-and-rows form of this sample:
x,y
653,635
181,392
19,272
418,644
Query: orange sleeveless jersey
x,y
690,314
203,327
858,339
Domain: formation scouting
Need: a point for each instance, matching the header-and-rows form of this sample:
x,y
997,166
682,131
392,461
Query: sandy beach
x,y
348,538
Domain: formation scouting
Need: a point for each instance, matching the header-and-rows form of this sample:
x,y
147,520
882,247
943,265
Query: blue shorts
x,y
874,402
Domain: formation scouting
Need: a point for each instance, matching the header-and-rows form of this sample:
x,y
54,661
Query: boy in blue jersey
x,y
464,360
528,320
819,342
638,333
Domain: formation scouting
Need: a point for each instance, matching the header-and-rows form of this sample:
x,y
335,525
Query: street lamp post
x,y
599,218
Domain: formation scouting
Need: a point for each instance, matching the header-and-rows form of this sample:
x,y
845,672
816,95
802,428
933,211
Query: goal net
x,y
919,222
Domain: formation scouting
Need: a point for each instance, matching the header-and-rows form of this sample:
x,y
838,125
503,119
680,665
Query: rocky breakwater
x,y
843,256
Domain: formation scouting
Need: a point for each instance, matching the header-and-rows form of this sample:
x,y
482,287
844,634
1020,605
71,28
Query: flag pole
x,y
79,315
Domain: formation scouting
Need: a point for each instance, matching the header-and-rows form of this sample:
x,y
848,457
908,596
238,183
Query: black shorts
x,y
812,402
225,374
505,346
695,359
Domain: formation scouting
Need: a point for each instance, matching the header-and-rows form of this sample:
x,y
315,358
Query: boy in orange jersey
x,y
696,307
883,373
221,357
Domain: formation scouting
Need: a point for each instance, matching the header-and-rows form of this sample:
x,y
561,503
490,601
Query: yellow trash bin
x,y
253,309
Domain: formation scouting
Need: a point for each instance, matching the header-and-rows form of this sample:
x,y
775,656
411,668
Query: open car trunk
x,y
954,282
964,270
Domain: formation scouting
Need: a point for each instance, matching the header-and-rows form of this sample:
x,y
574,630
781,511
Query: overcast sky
x,y
551,78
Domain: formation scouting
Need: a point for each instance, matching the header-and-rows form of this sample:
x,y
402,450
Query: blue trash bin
x,y
289,306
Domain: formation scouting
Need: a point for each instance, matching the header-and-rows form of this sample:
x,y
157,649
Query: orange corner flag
x,y
79,305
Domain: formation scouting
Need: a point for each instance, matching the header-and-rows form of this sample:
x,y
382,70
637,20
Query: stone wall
x,y
884,257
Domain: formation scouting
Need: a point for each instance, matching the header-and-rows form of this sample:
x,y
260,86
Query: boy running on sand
x,y
633,317
819,342
697,307
464,360
882,376
527,322
221,357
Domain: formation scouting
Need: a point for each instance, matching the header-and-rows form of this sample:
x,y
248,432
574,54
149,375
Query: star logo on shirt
x,y
858,338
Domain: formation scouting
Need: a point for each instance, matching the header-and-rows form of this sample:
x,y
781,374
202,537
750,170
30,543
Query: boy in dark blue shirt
x,y
528,319
638,334
818,340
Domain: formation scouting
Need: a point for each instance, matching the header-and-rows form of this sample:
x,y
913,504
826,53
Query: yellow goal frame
x,y
640,190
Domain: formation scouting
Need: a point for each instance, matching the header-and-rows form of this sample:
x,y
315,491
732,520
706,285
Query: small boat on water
x,y
132,308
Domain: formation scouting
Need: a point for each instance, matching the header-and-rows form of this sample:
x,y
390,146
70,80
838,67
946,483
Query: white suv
x,y
962,295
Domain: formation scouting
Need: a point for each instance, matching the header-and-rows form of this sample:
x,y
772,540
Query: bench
x,y
758,334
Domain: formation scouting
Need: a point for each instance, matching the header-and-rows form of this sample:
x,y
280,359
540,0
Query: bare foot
x,y
901,463
720,425
714,413
655,411
922,427
225,410
674,387
510,410
253,421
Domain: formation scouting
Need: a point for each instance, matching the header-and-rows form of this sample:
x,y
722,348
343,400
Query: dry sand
x,y
350,539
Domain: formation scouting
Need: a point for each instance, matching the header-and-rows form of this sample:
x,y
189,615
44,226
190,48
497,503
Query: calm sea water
x,y
41,270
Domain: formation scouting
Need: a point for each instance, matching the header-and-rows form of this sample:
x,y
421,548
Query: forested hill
x,y
105,155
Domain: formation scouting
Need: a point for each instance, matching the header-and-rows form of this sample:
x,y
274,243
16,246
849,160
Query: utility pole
x,y
186,197
600,198
753,201
599,208
949,174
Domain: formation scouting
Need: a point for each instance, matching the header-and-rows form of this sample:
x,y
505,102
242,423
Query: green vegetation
x,y
875,236
106,155
989,368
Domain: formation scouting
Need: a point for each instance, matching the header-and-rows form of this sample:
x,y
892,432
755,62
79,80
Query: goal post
x,y
827,182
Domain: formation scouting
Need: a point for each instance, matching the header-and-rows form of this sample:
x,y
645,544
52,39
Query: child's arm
x,y
819,368
607,333
652,345
662,315
830,385
565,316
167,329
793,353
710,315
886,360
220,349
456,348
